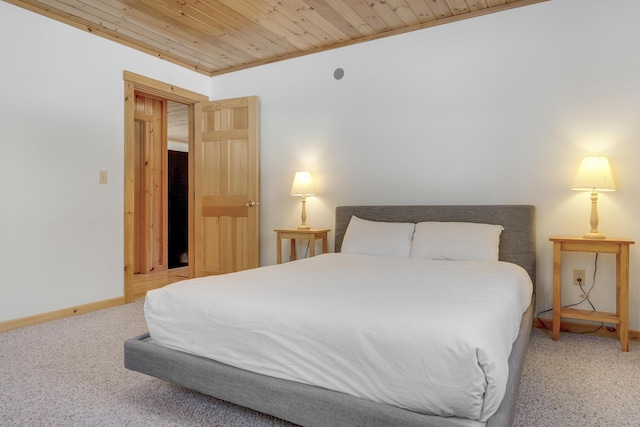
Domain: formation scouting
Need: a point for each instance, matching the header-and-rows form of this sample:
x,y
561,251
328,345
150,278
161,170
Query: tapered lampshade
x,y
594,175
303,186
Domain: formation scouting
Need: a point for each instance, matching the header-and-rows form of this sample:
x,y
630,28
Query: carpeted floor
x,y
70,373
579,381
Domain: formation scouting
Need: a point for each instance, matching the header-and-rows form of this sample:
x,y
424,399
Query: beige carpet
x,y
70,373
579,381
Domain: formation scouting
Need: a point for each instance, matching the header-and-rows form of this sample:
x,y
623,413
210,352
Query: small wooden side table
x,y
293,233
619,247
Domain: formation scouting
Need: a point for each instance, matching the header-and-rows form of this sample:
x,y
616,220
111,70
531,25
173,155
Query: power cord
x,y
585,297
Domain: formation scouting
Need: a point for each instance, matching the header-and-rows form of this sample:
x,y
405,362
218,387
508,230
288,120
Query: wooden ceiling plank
x,y
440,9
301,17
223,51
475,5
362,8
204,26
309,19
294,22
422,10
286,27
403,12
125,18
130,22
245,21
306,9
343,8
458,7
241,31
382,9
337,19
220,56
174,18
172,11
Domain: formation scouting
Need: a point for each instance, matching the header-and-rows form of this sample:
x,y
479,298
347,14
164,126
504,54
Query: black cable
x,y
584,298
540,320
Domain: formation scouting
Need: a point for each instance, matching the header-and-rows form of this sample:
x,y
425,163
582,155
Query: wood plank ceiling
x,y
221,36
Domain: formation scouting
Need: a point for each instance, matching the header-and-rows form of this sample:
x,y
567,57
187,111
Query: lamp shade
x,y
302,185
594,175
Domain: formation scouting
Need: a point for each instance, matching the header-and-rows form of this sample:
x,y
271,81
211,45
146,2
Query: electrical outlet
x,y
578,277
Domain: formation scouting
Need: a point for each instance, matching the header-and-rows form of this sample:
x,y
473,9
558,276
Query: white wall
x,y
61,122
496,109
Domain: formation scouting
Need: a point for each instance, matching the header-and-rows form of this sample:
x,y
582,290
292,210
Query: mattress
x,y
432,337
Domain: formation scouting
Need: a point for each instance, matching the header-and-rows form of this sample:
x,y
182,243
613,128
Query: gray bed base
x,y
314,406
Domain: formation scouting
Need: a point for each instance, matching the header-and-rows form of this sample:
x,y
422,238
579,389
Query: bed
x,y
308,404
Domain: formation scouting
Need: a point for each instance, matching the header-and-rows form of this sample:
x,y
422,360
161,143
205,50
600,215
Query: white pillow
x,y
377,238
461,241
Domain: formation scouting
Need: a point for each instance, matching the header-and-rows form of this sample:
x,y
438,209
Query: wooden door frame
x,y
136,83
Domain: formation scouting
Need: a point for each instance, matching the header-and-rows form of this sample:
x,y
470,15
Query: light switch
x,y
103,177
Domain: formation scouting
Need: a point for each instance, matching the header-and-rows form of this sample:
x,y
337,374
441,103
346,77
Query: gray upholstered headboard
x,y
517,242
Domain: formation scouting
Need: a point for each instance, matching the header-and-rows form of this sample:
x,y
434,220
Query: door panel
x,y
150,214
226,187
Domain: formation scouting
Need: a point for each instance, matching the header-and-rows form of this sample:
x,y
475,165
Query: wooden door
x,y
150,234
226,164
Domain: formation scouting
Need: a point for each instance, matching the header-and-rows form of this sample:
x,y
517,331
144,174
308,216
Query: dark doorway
x,y
178,185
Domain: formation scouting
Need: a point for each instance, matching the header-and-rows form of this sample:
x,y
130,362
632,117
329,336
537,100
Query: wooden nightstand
x,y
293,233
619,247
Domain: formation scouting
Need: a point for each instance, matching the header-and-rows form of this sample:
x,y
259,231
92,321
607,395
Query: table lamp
x,y
303,186
594,175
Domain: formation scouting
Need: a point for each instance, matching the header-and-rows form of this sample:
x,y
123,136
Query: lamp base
x,y
594,236
304,227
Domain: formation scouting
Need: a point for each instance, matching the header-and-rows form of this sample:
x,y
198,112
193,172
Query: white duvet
x,y
429,336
